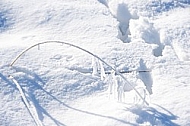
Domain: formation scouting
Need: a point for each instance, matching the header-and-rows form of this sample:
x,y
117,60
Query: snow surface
x,y
56,84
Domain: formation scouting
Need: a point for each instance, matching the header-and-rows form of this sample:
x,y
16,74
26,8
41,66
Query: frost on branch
x,y
96,66
122,91
102,71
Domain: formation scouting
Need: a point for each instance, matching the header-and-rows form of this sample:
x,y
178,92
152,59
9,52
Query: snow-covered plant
x,y
122,86
113,84
116,86
120,89
143,29
94,66
144,93
102,71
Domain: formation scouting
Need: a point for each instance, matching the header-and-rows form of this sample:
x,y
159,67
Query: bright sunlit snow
x,y
94,63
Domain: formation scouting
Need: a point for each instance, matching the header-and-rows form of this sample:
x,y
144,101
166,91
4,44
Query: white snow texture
x,y
106,63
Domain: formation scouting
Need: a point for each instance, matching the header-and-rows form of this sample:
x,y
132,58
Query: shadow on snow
x,y
34,82
145,76
153,116
160,7
5,19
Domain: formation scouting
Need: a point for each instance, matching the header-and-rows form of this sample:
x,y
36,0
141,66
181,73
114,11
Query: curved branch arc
x,y
66,43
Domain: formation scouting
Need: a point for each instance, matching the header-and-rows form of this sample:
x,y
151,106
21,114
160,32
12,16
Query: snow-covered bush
x,y
142,29
118,88
96,66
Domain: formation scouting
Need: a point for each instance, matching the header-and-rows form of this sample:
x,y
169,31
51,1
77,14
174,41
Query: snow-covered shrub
x,y
142,29
112,84
102,71
96,66
120,11
118,88
123,16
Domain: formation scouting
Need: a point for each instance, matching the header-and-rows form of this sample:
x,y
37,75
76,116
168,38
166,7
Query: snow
x,y
56,84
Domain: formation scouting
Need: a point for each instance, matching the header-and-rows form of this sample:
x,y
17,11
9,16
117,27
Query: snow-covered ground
x,y
56,84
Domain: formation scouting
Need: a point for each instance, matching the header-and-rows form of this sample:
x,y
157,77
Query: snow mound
x,y
142,29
